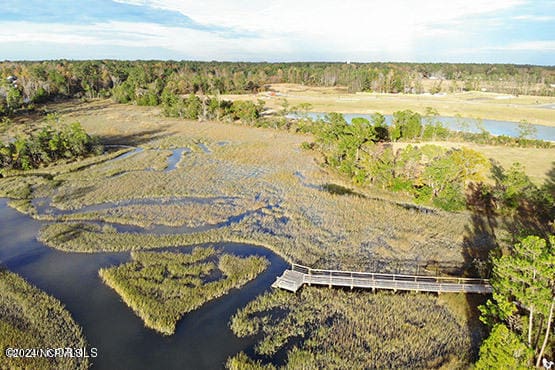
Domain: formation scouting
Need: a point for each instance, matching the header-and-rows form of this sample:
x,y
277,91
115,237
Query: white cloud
x,y
515,49
540,45
357,30
354,25
534,18
188,43
97,34
335,15
318,15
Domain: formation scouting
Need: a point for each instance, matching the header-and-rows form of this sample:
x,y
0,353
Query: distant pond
x,y
453,123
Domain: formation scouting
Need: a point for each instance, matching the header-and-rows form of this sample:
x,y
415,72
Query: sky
x,y
461,31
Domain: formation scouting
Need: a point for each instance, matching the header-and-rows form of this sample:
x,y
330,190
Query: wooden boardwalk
x,y
298,275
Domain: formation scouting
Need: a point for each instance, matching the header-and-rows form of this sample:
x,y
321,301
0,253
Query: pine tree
x,y
526,277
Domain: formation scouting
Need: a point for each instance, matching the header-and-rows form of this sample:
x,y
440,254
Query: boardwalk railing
x,y
293,279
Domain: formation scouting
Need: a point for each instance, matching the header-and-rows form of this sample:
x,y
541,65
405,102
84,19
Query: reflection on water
x,y
202,339
175,158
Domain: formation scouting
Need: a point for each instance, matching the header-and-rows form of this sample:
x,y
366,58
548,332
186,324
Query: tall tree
x,y
380,127
526,276
408,123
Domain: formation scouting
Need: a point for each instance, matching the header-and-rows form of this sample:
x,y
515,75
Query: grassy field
x,y
474,104
162,287
29,318
328,328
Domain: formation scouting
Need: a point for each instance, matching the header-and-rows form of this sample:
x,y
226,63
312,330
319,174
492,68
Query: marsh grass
x,y
190,212
304,238
29,318
328,328
303,225
271,206
19,187
162,286
109,181
20,191
79,192
90,238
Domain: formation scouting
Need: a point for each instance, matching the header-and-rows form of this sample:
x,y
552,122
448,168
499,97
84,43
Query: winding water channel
x,y
202,339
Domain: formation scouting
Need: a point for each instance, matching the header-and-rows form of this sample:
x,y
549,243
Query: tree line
x,y
143,82
432,174
46,146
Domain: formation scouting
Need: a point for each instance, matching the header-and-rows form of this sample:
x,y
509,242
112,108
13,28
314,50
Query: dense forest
x,y
25,83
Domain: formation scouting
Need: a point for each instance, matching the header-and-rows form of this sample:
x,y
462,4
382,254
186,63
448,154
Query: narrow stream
x,y
202,340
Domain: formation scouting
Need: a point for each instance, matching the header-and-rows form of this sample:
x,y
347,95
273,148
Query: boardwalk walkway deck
x,y
298,275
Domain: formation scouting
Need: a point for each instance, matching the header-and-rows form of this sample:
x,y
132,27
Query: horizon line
x,y
268,62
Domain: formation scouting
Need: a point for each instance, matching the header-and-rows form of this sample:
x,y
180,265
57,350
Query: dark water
x,y
494,127
202,339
